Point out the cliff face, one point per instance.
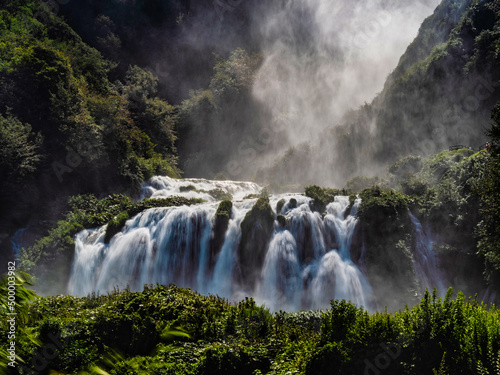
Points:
(440, 94)
(445, 85)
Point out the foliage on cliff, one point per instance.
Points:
(56, 250)
(168, 330)
(488, 229)
(65, 128)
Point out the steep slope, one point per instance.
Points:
(440, 94)
(65, 129)
(446, 97)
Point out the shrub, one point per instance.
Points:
(322, 196)
(115, 226)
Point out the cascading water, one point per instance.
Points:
(425, 262)
(307, 260)
(17, 242)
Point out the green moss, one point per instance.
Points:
(323, 196)
(222, 217)
(256, 230)
(220, 194)
(281, 220)
(224, 209)
(115, 226)
(184, 189)
(387, 236)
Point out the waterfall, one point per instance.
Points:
(306, 261)
(17, 242)
(425, 262)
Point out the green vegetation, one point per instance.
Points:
(168, 330)
(386, 230)
(214, 121)
(65, 128)
(256, 231)
(444, 191)
(55, 251)
(115, 226)
(74, 120)
(357, 184)
(323, 196)
(488, 229)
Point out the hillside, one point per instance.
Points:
(65, 127)
(440, 94)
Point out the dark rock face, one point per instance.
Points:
(256, 231)
(222, 217)
(387, 235)
(357, 246)
(279, 206)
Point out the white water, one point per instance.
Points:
(165, 245)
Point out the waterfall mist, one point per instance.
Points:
(323, 58)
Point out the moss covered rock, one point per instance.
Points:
(256, 230)
(222, 217)
(322, 196)
(115, 225)
(282, 220)
(387, 235)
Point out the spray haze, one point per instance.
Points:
(322, 58)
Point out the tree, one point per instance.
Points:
(19, 150)
(489, 228)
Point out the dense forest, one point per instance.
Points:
(98, 97)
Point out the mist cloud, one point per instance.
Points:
(323, 57)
